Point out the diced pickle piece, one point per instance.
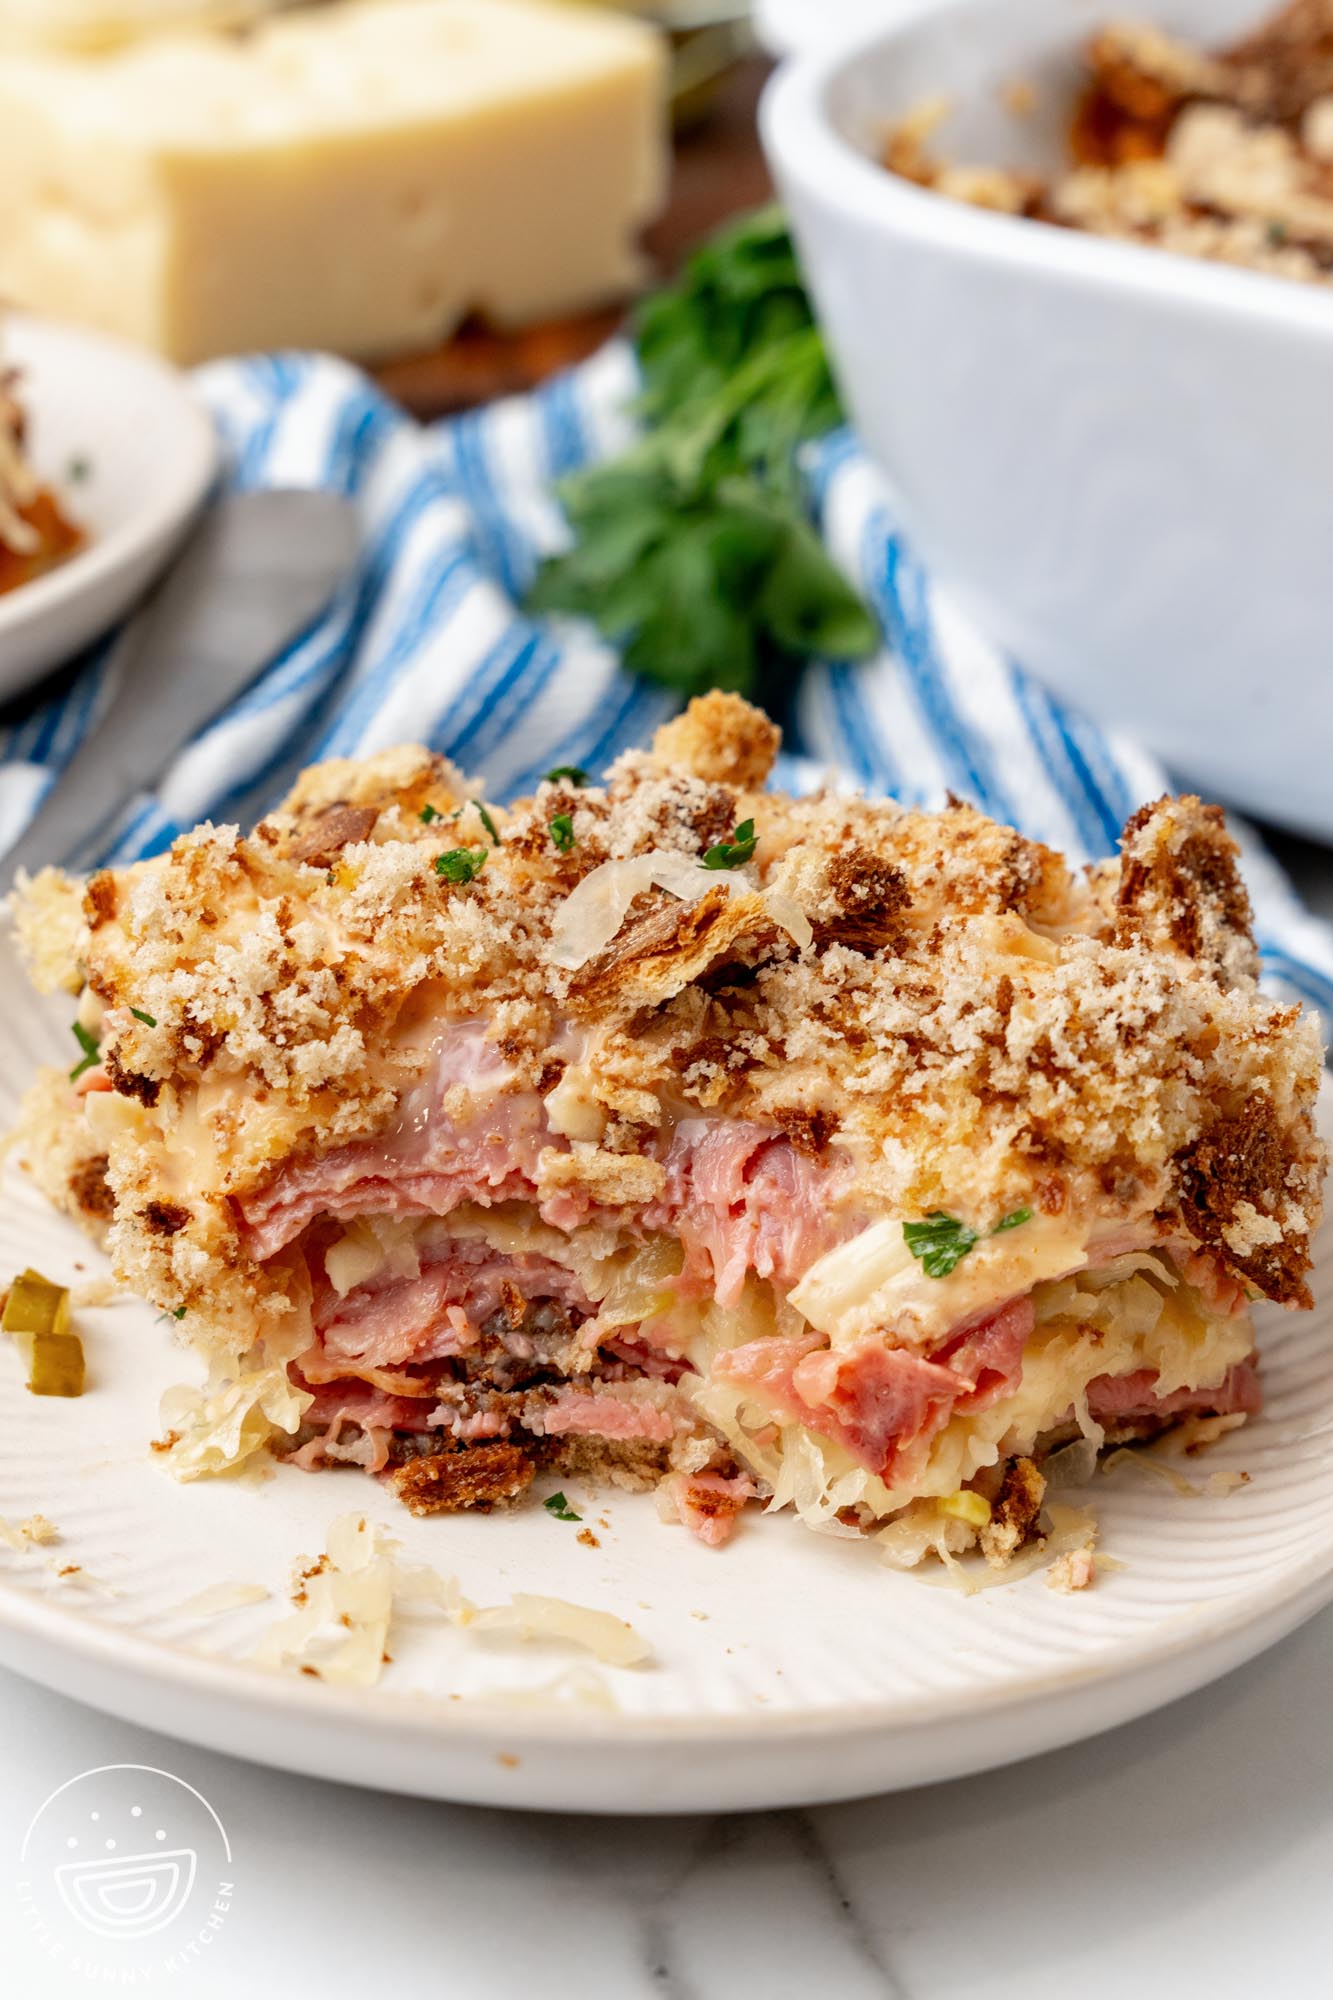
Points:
(55, 1364)
(36, 1316)
(35, 1306)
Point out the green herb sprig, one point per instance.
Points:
(561, 830)
(461, 864)
(560, 1508)
(733, 853)
(569, 774)
(92, 1052)
(941, 1241)
(692, 549)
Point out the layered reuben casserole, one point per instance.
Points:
(805, 1150)
(1226, 156)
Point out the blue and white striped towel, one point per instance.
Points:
(426, 642)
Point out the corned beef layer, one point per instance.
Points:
(460, 1380)
(490, 1366)
(738, 1196)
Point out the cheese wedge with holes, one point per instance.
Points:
(359, 177)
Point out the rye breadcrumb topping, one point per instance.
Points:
(967, 1018)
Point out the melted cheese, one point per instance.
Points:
(874, 1283)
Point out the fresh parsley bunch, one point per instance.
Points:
(691, 550)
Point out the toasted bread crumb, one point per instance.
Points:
(1014, 1512)
(477, 1476)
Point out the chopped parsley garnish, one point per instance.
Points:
(91, 1051)
(1277, 234)
(428, 813)
(560, 1507)
(733, 853)
(78, 470)
(149, 1020)
(571, 774)
(941, 1242)
(692, 549)
(562, 832)
(461, 864)
(487, 822)
(172, 1312)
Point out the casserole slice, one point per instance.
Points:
(677, 1132)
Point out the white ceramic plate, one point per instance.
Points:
(120, 438)
(788, 1667)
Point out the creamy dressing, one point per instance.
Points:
(573, 1108)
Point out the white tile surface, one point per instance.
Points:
(1186, 1855)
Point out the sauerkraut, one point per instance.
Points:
(346, 1601)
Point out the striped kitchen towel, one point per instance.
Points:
(426, 642)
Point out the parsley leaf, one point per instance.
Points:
(170, 1312)
(560, 1507)
(148, 1020)
(692, 549)
(940, 1243)
(92, 1053)
(487, 822)
(428, 813)
(562, 832)
(572, 774)
(461, 864)
(733, 853)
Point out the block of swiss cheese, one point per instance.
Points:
(86, 24)
(359, 177)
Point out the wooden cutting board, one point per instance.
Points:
(719, 171)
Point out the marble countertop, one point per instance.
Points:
(1185, 1855)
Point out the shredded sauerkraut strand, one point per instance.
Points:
(348, 1598)
(593, 912)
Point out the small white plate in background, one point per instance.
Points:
(130, 453)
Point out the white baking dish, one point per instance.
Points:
(1121, 459)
